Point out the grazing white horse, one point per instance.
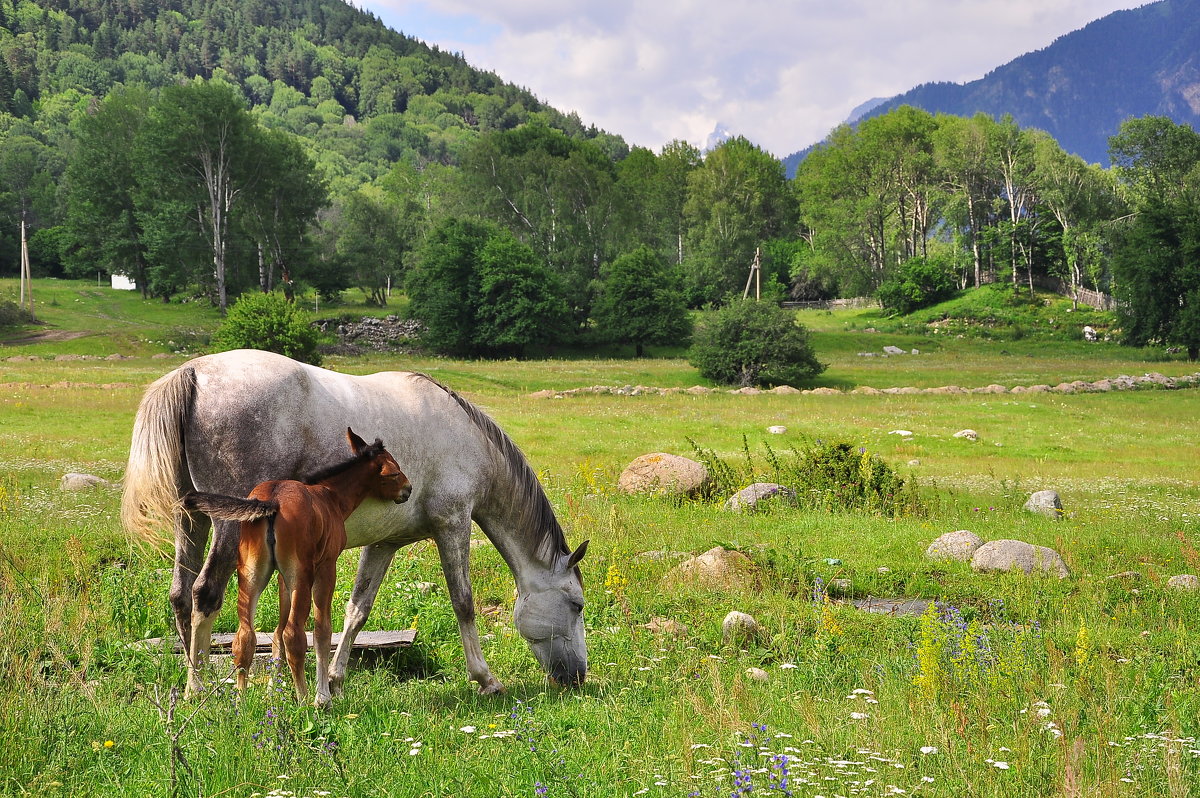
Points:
(224, 423)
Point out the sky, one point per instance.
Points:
(782, 73)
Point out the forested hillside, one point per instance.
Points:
(207, 150)
(1080, 88)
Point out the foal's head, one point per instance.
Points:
(390, 484)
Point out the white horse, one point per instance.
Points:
(224, 423)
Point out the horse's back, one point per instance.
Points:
(257, 416)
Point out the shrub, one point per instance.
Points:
(837, 477)
(918, 283)
(754, 343)
(11, 315)
(271, 323)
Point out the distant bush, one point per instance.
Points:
(11, 314)
(754, 344)
(271, 323)
(837, 477)
(918, 283)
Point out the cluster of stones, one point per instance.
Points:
(1122, 383)
(373, 333)
(33, 358)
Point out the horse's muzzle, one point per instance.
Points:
(404, 495)
(568, 675)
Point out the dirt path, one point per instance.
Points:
(44, 336)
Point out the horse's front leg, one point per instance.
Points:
(454, 549)
(372, 567)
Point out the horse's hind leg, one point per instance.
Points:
(191, 536)
(372, 567)
(208, 594)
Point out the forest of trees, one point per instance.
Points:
(224, 146)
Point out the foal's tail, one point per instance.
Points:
(154, 476)
(229, 508)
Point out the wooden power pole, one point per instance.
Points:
(755, 277)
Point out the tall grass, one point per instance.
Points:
(1007, 686)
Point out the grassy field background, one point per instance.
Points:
(1014, 686)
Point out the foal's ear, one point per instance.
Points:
(357, 444)
(577, 555)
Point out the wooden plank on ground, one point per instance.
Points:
(366, 640)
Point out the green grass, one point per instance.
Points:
(1116, 663)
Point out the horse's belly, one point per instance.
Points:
(375, 521)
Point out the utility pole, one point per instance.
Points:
(754, 277)
(26, 273)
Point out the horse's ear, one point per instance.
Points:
(357, 444)
(577, 555)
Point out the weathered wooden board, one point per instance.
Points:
(365, 640)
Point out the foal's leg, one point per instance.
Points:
(453, 542)
(322, 594)
(278, 655)
(372, 567)
(254, 571)
(295, 642)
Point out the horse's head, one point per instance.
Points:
(549, 615)
(391, 484)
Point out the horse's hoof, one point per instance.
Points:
(493, 687)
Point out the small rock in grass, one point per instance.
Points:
(83, 482)
(777, 429)
(666, 627)
(760, 493)
(960, 546)
(716, 568)
(1187, 582)
(1127, 576)
(739, 627)
(1047, 503)
(903, 433)
(757, 674)
(969, 434)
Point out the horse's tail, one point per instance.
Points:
(154, 475)
(229, 508)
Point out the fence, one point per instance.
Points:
(852, 303)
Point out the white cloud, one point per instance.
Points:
(780, 73)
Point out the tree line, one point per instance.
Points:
(306, 144)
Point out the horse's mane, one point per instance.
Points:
(374, 450)
(537, 515)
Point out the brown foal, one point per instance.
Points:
(299, 529)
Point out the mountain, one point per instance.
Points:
(719, 135)
(1083, 85)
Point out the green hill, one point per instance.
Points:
(361, 95)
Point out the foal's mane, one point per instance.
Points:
(374, 450)
(536, 514)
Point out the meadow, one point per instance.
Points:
(1010, 686)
